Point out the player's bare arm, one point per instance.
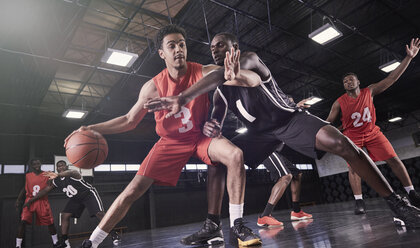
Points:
(40, 194)
(334, 112)
(128, 121)
(20, 198)
(213, 127)
(384, 84)
(68, 173)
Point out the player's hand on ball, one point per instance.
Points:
(212, 129)
(82, 128)
(51, 175)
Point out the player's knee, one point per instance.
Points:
(130, 195)
(287, 178)
(237, 156)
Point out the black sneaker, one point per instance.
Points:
(86, 243)
(359, 207)
(414, 198)
(242, 235)
(210, 234)
(404, 211)
(116, 239)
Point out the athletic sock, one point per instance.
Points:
(18, 242)
(215, 218)
(296, 207)
(358, 197)
(97, 236)
(54, 238)
(268, 209)
(235, 212)
(409, 188)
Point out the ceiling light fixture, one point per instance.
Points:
(118, 57)
(395, 119)
(390, 66)
(313, 99)
(325, 34)
(75, 114)
(241, 130)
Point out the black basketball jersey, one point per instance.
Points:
(73, 188)
(260, 108)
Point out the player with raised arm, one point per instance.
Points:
(358, 119)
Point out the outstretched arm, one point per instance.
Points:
(40, 194)
(213, 127)
(384, 84)
(128, 121)
(68, 173)
(334, 112)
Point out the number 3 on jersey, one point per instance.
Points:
(188, 125)
(365, 118)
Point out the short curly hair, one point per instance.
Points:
(229, 36)
(349, 74)
(169, 29)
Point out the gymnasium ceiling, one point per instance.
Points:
(50, 53)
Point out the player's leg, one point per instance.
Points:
(295, 185)
(279, 172)
(65, 226)
(20, 233)
(356, 187)
(44, 217)
(119, 208)
(223, 151)
(331, 140)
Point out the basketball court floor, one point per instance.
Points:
(333, 225)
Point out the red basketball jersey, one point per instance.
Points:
(192, 116)
(358, 114)
(35, 183)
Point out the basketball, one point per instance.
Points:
(86, 149)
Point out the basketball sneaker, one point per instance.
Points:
(414, 198)
(404, 211)
(242, 235)
(63, 243)
(268, 221)
(86, 243)
(210, 234)
(116, 239)
(300, 215)
(359, 207)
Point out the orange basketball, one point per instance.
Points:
(86, 149)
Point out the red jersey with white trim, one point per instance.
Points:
(358, 115)
(192, 116)
(34, 184)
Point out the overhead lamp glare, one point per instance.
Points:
(75, 114)
(325, 34)
(118, 57)
(390, 66)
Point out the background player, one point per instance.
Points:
(181, 138)
(81, 195)
(358, 119)
(35, 182)
(271, 118)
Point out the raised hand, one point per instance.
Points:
(212, 129)
(232, 64)
(51, 175)
(82, 128)
(170, 103)
(413, 49)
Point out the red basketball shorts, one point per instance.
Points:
(377, 145)
(42, 210)
(166, 159)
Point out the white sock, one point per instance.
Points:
(358, 197)
(97, 237)
(235, 211)
(18, 242)
(54, 238)
(408, 188)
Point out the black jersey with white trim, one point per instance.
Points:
(260, 108)
(73, 188)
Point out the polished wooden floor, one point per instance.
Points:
(333, 225)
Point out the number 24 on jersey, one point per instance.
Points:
(360, 119)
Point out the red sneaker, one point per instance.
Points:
(268, 221)
(300, 216)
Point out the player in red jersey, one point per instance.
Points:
(181, 137)
(358, 121)
(35, 182)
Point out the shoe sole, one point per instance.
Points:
(269, 226)
(251, 242)
(212, 241)
(300, 218)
